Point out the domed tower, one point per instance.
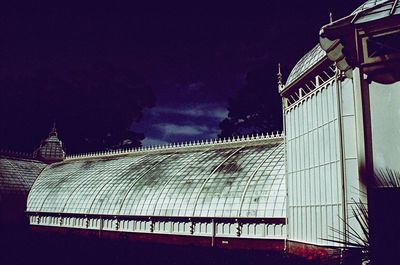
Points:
(50, 150)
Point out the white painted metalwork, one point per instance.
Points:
(202, 181)
(210, 228)
(322, 153)
(180, 146)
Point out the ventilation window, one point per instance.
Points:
(383, 45)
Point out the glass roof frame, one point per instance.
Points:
(216, 181)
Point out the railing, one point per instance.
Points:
(183, 145)
(247, 227)
(14, 154)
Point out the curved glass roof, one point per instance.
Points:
(18, 175)
(368, 4)
(229, 180)
(305, 63)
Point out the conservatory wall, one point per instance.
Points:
(322, 159)
(313, 166)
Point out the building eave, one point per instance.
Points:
(341, 39)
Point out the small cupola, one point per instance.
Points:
(50, 149)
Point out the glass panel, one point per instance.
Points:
(385, 117)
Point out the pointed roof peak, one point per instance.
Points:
(53, 131)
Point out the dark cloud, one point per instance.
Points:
(180, 123)
(209, 111)
(195, 56)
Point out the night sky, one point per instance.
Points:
(193, 56)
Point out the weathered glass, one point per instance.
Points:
(305, 63)
(227, 180)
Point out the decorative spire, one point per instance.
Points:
(330, 17)
(54, 130)
(280, 84)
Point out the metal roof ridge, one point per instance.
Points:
(217, 142)
(15, 154)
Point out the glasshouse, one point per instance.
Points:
(294, 191)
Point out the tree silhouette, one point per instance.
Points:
(256, 107)
(93, 107)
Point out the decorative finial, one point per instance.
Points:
(280, 85)
(54, 130)
(330, 17)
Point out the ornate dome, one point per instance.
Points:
(50, 149)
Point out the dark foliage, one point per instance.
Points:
(256, 107)
(386, 177)
(93, 108)
(377, 236)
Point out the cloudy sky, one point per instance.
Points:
(194, 56)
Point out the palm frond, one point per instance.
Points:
(387, 178)
(353, 238)
(360, 212)
(360, 238)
